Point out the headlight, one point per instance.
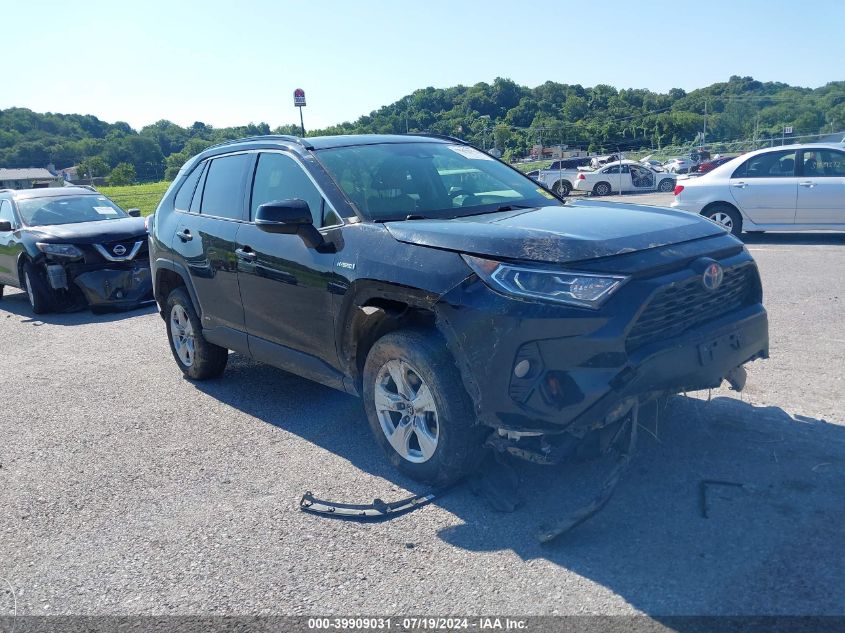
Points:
(586, 290)
(60, 250)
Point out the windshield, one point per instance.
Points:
(394, 181)
(68, 210)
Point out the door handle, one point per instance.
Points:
(246, 254)
(739, 185)
(808, 183)
(185, 235)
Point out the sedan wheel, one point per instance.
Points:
(666, 185)
(406, 411)
(727, 217)
(601, 189)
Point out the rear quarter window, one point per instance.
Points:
(186, 191)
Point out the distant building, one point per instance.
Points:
(540, 152)
(29, 178)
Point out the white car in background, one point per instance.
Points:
(790, 188)
(623, 176)
(678, 165)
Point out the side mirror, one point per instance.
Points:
(5, 226)
(292, 217)
(135, 213)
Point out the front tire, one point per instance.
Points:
(726, 216)
(602, 189)
(418, 409)
(36, 289)
(197, 358)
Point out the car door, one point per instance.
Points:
(618, 176)
(642, 178)
(10, 246)
(205, 240)
(765, 187)
(821, 187)
(285, 285)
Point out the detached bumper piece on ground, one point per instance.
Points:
(381, 510)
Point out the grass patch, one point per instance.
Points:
(537, 164)
(145, 197)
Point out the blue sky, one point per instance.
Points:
(228, 63)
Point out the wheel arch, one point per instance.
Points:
(371, 310)
(719, 203)
(168, 277)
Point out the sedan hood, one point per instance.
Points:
(99, 232)
(579, 231)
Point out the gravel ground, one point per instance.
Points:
(127, 490)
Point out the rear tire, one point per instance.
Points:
(197, 358)
(666, 185)
(726, 216)
(423, 419)
(562, 188)
(36, 288)
(602, 189)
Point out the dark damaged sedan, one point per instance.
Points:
(462, 301)
(69, 247)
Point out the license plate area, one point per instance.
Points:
(719, 348)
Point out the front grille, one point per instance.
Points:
(107, 250)
(682, 306)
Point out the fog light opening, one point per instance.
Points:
(522, 368)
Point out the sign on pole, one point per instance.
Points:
(787, 129)
(299, 101)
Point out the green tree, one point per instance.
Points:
(122, 174)
(93, 167)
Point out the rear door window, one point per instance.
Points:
(823, 163)
(768, 165)
(223, 194)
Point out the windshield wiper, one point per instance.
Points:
(415, 216)
(514, 207)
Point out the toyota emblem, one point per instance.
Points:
(120, 250)
(712, 277)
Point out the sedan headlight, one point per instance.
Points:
(586, 290)
(68, 251)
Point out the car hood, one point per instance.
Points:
(89, 232)
(579, 231)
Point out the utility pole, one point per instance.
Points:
(704, 134)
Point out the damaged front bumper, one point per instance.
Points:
(536, 368)
(113, 285)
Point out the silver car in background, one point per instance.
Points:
(789, 188)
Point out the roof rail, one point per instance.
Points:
(267, 137)
(445, 137)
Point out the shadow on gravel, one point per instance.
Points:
(18, 305)
(797, 239)
(773, 544)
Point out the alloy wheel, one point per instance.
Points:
(182, 335)
(29, 292)
(406, 411)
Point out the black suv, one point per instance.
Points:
(456, 296)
